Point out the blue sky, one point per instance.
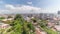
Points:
(46, 5)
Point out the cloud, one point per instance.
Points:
(22, 9)
(8, 6)
(29, 3)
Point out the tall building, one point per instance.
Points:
(58, 12)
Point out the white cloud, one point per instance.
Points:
(9, 6)
(24, 9)
(29, 2)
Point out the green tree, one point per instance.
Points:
(44, 27)
(9, 16)
(20, 26)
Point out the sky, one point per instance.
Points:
(29, 6)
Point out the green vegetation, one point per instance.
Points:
(43, 26)
(8, 22)
(9, 17)
(20, 26)
(2, 18)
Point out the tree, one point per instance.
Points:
(2, 18)
(44, 27)
(20, 26)
(9, 17)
